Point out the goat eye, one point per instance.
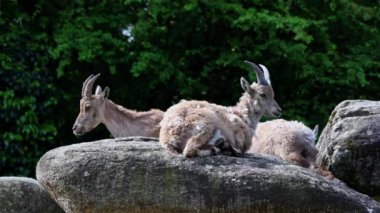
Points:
(263, 95)
(87, 107)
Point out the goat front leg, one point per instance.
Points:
(196, 142)
(237, 144)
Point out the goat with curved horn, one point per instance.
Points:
(88, 84)
(97, 109)
(259, 73)
(199, 128)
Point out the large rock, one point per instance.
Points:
(25, 195)
(131, 175)
(350, 145)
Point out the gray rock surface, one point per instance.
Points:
(133, 175)
(25, 195)
(349, 145)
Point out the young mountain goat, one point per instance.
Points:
(199, 128)
(120, 122)
(290, 140)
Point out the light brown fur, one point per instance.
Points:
(199, 128)
(289, 140)
(120, 122)
(194, 121)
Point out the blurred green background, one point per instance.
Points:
(154, 53)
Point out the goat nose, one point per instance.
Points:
(75, 127)
(278, 112)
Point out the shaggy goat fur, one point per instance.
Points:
(290, 140)
(199, 128)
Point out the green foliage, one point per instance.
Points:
(154, 53)
(28, 95)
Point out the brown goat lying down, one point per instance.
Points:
(289, 140)
(199, 128)
(120, 122)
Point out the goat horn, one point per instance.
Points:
(259, 73)
(88, 84)
(85, 83)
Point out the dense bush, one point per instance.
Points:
(154, 53)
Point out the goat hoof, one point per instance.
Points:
(215, 150)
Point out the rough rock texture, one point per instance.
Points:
(19, 195)
(132, 175)
(349, 146)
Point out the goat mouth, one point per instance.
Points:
(78, 134)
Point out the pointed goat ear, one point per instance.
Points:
(106, 92)
(246, 86)
(98, 90)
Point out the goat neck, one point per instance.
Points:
(118, 120)
(249, 112)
